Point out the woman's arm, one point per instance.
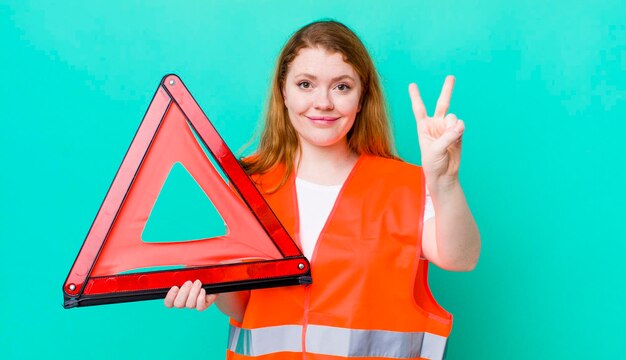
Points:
(192, 295)
(451, 240)
(233, 304)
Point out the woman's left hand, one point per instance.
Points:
(439, 136)
(451, 240)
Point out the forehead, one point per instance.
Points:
(320, 63)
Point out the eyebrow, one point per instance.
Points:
(341, 77)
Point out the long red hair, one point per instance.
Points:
(370, 134)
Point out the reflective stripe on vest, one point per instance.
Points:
(328, 340)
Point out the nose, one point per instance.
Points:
(323, 100)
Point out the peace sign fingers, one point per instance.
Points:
(439, 135)
(443, 103)
(419, 110)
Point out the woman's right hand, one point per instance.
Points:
(190, 295)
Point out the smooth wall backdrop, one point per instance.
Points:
(540, 84)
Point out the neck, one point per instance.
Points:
(327, 165)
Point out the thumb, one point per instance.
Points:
(210, 299)
(450, 136)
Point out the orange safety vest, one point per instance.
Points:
(369, 298)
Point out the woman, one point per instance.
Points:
(326, 167)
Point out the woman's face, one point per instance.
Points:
(322, 95)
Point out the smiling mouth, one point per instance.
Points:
(322, 118)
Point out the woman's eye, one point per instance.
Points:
(304, 85)
(343, 87)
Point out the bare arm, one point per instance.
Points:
(451, 240)
(233, 304)
(192, 295)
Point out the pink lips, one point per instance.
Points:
(322, 118)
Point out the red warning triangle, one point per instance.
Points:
(112, 265)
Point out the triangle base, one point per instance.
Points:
(160, 294)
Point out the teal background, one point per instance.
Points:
(541, 86)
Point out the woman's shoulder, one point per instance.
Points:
(390, 165)
(392, 172)
(394, 175)
(266, 178)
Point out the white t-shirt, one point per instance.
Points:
(315, 202)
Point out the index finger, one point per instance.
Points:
(419, 110)
(443, 103)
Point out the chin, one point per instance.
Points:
(325, 142)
